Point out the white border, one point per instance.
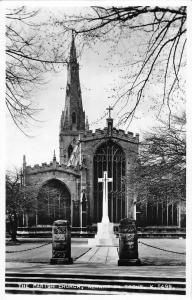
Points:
(49, 3)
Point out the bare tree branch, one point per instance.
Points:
(164, 28)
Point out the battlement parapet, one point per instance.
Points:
(117, 133)
(130, 133)
(44, 167)
(120, 132)
(98, 131)
(88, 133)
(37, 166)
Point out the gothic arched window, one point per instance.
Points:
(54, 202)
(74, 118)
(110, 157)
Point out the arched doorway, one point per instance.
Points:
(110, 157)
(54, 202)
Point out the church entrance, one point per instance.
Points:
(54, 202)
(111, 158)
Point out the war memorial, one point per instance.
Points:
(86, 235)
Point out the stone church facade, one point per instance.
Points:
(69, 188)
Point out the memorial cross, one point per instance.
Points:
(105, 180)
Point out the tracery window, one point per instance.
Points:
(110, 157)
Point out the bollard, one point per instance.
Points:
(61, 243)
(128, 243)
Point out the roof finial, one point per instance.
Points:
(73, 36)
(87, 124)
(24, 160)
(54, 156)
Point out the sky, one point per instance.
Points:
(97, 76)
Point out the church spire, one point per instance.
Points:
(73, 55)
(73, 116)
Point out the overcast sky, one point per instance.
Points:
(97, 78)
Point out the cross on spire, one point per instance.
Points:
(109, 109)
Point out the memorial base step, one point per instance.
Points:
(103, 242)
(105, 236)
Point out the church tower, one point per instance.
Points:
(73, 116)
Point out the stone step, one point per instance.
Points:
(90, 284)
(95, 276)
(50, 291)
(101, 281)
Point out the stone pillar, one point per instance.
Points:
(61, 243)
(83, 209)
(27, 220)
(76, 213)
(183, 214)
(128, 243)
(134, 211)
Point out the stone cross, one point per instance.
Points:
(109, 109)
(105, 180)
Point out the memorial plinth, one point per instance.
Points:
(128, 243)
(61, 244)
(105, 236)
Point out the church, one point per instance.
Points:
(70, 188)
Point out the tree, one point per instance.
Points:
(12, 203)
(30, 54)
(161, 172)
(160, 60)
(20, 200)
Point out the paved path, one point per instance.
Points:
(100, 255)
(101, 260)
